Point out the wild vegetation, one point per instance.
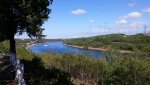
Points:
(135, 43)
(68, 69)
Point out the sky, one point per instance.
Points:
(84, 18)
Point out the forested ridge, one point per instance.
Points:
(69, 69)
(136, 43)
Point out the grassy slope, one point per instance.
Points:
(137, 42)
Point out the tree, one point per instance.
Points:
(18, 16)
(39, 35)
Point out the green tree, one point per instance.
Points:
(18, 16)
(39, 35)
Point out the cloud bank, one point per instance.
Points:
(79, 11)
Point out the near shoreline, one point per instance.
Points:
(28, 45)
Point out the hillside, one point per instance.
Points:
(138, 42)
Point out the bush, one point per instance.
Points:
(4, 47)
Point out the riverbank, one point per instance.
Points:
(98, 49)
(90, 48)
(28, 45)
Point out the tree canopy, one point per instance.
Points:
(18, 16)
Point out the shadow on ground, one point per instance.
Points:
(7, 71)
(36, 74)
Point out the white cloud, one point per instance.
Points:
(131, 4)
(134, 15)
(128, 30)
(91, 32)
(99, 30)
(79, 11)
(91, 21)
(136, 24)
(146, 10)
(121, 21)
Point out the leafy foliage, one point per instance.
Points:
(18, 16)
(23, 15)
(121, 70)
(4, 47)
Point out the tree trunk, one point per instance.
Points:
(12, 44)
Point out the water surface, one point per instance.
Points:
(60, 48)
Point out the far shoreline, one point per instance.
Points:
(97, 49)
(89, 48)
(32, 43)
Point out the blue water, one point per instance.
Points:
(60, 48)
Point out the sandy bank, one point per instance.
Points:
(99, 49)
(90, 48)
(28, 45)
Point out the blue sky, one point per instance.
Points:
(83, 18)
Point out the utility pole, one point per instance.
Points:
(144, 29)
